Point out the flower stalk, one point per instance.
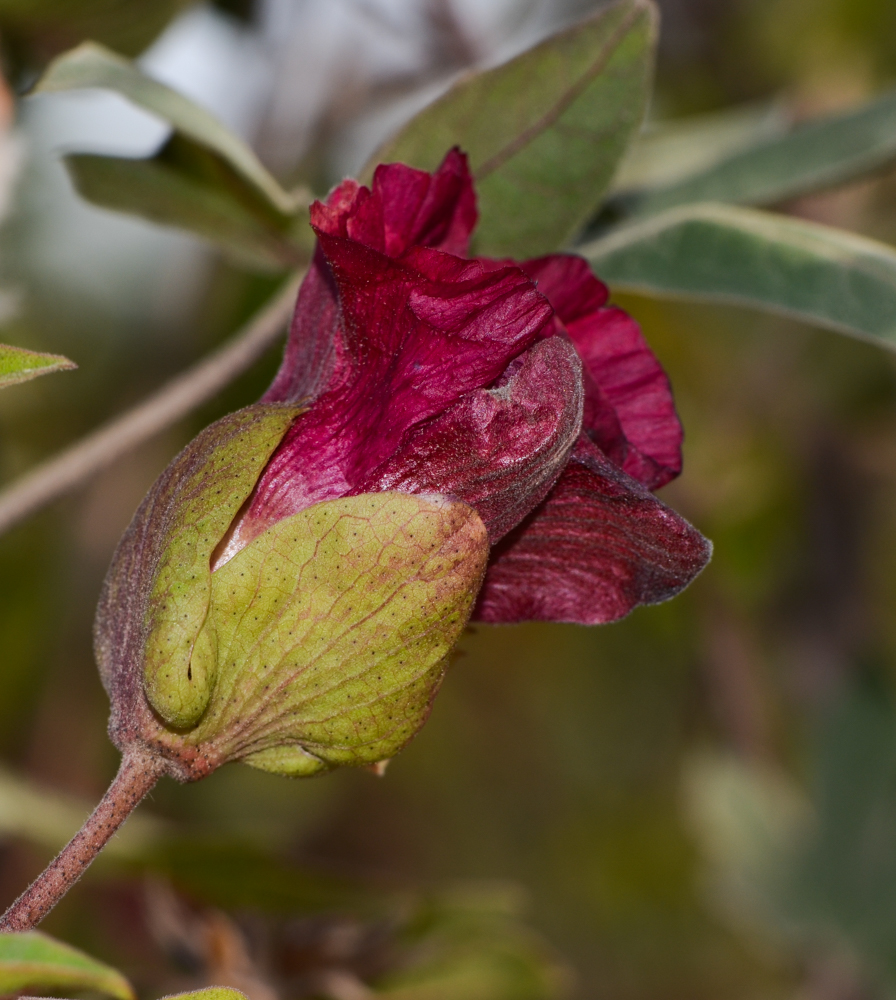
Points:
(137, 775)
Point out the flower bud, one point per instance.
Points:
(290, 588)
(321, 642)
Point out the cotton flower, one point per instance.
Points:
(447, 437)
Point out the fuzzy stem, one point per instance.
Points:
(137, 775)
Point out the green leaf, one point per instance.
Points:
(92, 65)
(210, 993)
(168, 192)
(32, 960)
(719, 253)
(819, 154)
(666, 152)
(18, 365)
(204, 179)
(545, 131)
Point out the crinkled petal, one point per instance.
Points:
(404, 208)
(597, 547)
(418, 335)
(629, 410)
(632, 380)
(569, 284)
(500, 450)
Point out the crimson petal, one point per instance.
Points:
(404, 208)
(629, 410)
(499, 449)
(312, 348)
(416, 336)
(597, 547)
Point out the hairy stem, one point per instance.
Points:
(176, 399)
(137, 775)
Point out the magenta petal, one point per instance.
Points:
(312, 348)
(416, 336)
(569, 284)
(629, 410)
(404, 208)
(597, 547)
(501, 449)
(426, 330)
(431, 210)
(631, 379)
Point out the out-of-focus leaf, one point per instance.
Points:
(819, 154)
(818, 869)
(464, 943)
(845, 883)
(224, 873)
(165, 190)
(18, 365)
(210, 993)
(32, 960)
(92, 65)
(242, 876)
(749, 821)
(720, 253)
(204, 179)
(545, 131)
(50, 819)
(44, 27)
(669, 151)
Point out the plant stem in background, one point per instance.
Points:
(137, 775)
(173, 401)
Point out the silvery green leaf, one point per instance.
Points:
(721, 253)
(545, 131)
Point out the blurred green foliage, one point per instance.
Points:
(35, 30)
(34, 960)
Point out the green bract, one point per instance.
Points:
(320, 643)
(202, 500)
(327, 635)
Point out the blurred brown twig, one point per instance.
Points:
(184, 393)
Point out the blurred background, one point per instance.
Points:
(697, 802)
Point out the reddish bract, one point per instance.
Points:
(512, 387)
